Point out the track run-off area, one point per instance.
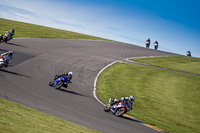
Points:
(36, 61)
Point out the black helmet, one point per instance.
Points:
(11, 53)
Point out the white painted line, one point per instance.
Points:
(95, 81)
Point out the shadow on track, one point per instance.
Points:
(1, 70)
(3, 50)
(15, 44)
(72, 92)
(132, 119)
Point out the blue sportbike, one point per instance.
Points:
(118, 109)
(59, 82)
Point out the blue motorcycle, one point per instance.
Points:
(118, 109)
(59, 82)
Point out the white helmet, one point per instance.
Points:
(131, 98)
(70, 73)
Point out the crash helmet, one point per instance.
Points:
(70, 73)
(131, 98)
(13, 30)
(11, 53)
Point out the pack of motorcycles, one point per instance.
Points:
(117, 109)
(6, 57)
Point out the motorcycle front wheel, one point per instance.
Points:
(51, 83)
(58, 85)
(5, 40)
(107, 108)
(120, 111)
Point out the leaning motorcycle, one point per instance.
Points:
(117, 109)
(6, 37)
(1, 61)
(59, 82)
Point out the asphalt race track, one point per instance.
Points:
(36, 61)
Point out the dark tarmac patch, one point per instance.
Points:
(18, 57)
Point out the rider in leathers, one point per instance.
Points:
(7, 57)
(127, 100)
(68, 75)
(9, 34)
(156, 45)
(148, 41)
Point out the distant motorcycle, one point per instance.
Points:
(117, 109)
(6, 37)
(147, 44)
(59, 82)
(189, 53)
(5, 59)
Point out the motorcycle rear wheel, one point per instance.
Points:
(120, 112)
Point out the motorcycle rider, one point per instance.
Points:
(156, 44)
(7, 57)
(127, 100)
(9, 34)
(148, 41)
(68, 75)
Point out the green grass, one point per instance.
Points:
(19, 119)
(166, 99)
(180, 63)
(36, 31)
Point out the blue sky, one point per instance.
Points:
(175, 24)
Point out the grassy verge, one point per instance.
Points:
(166, 99)
(36, 31)
(180, 63)
(18, 119)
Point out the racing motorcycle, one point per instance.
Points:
(117, 109)
(5, 59)
(1, 62)
(147, 44)
(59, 82)
(6, 37)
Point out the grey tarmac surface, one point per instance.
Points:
(36, 61)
